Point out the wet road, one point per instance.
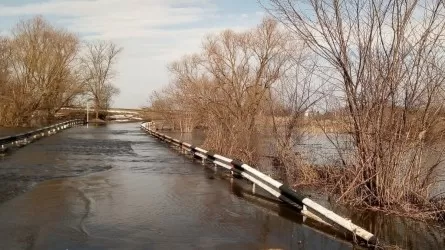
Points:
(116, 188)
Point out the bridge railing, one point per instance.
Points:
(281, 191)
(24, 138)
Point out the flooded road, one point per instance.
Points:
(394, 232)
(114, 187)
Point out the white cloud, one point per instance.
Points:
(152, 32)
(116, 18)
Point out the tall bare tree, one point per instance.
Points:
(297, 92)
(5, 99)
(4, 55)
(388, 62)
(98, 65)
(41, 59)
(229, 82)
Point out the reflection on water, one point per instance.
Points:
(408, 233)
(320, 150)
(392, 230)
(116, 188)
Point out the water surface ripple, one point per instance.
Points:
(114, 187)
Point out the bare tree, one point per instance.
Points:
(41, 71)
(389, 66)
(40, 66)
(109, 92)
(4, 55)
(5, 99)
(297, 92)
(228, 85)
(97, 64)
(244, 68)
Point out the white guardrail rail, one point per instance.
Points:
(30, 136)
(281, 191)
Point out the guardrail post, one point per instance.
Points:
(304, 210)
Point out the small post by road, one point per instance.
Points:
(88, 112)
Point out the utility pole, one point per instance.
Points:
(88, 112)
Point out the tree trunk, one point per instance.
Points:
(97, 109)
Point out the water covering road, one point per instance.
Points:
(114, 187)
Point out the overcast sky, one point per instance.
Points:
(152, 32)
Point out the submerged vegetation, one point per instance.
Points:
(44, 68)
(370, 69)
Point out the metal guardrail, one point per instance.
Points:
(27, 137)
(281, 191)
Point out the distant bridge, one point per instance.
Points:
(117, 114)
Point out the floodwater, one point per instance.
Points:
(393, 231)
(12, 131)
(114, 187)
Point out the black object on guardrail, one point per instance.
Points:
(27, 137)
(281, 191)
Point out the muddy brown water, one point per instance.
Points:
(114, 187)
(393, 231)
(12, 131)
